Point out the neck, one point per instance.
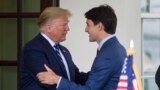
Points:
(102, 37)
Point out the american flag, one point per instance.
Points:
(127, 79)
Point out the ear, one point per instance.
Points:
(100, 26)
(49, 27)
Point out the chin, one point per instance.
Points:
(63, 39)
(91, 39)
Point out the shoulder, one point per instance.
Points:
(36, 43)
(64, 48)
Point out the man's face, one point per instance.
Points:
(58, 29)
(91, 29)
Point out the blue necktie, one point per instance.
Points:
(56, 48)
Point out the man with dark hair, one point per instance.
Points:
(106, 69)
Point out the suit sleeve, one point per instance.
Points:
(157, 77)
(80, 77)
(99, 75)
(34, 61)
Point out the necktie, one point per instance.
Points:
(57, 49)
(97, 51)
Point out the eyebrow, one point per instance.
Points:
(87, 23)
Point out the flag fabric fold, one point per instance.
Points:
(128, 79)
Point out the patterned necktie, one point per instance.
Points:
(56, 48)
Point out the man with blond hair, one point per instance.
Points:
(45, 48)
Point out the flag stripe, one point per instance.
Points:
(127, 80)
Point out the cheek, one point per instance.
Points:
(86, 29)
(90, 30)
(61, 34)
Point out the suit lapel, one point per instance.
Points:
(52, 54)
(69, 62)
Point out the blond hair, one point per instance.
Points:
(51, 13)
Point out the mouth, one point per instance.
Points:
(65, 34)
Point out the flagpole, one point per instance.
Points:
(139, 83)
(131, 52)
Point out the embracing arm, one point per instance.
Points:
(97, 80)
(33, 63)
(48, 77)
(80, 77)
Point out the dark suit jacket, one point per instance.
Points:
(38, 52)
(157, 77)
(105, 71)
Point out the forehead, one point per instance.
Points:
(89, 22)
(61, 20)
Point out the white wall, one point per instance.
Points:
(83, 52)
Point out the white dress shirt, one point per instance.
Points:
(52, 43)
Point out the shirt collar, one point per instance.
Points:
(104, 40)
(51, 42)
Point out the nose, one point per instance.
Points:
(67, 28)
(86, 30)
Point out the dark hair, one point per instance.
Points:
(104, 14)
